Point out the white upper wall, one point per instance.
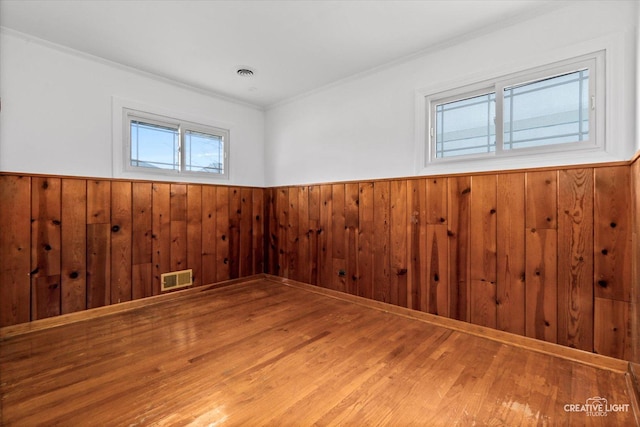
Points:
(364, 127)
(56, 113)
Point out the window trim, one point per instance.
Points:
(129, 114)
(427, 100)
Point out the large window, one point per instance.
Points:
(168, 146)
(552, 108)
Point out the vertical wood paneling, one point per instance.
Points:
(142, 222)
(257, 226)
(282, 203)
(398, 247)
(510, 284)
(483, 222)
(15, 256)
(325, 250)
(222, 234)
(575, 260)
(99, 265)
(98, 202)
(45, 247)
(458, 210)
(542, 199)
(612, 328)
(271, 227)
(437, 270)
(293, 235)
(338, 238)
(45, 297)
(121, 244)
(45, 226)
(437, 200)
(314, 227)
(381, 207)
(73, 281)
(417, 244)
(208, 234)
(235, 213)
(304, 239)
(351, 194)
(178, 202)
(246, 232)
(612, 233)
(161, 233)
(142, 283)
(541, 284)
(365, 240)
(194, 232)
(93, 242)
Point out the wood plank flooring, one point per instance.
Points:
(270, 353)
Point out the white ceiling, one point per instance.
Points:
(294, 46)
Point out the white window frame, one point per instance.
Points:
(182, 126)
(595, 62)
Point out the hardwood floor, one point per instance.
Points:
(265, 352)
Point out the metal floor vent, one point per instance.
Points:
(176, 279)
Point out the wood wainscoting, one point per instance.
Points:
(270, 351)
(542, 253)
(70, 244)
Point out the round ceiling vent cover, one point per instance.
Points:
(244, 72)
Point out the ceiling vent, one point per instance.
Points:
(244, 72)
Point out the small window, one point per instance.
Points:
(551, 108)
(165, 145)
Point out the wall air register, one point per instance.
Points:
(176, 279)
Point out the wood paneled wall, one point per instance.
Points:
(635, 263)
(542, 253)
(69, 244)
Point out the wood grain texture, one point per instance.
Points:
(542, 284)
(15, 253)
(612, 233)
(635, 260)
(612, 328)
(437, 270)
(352, 212)
(208, 234)
(245, 222)
(459, 207)
(437, 195)
(398, 243)
(293, 235)
(98, 202)
(258, 231)
(314, 231)
(304, 236)
(161, 232)
(121, 241)
(541, 193)
(339, 271)
(142, 250)
(45, 297)
(178, 248)
(365, 241)
(360, 365)
(510, 283)
(99, 265)
(194, 233)
(325, 239)
(223, 228)
(417, 243)
(381, 217)
(73, 249)
(45, 227)
(235, 213)
(575, 260)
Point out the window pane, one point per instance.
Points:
(466, 126)
(549, 111)
(153, 146)
(204, 152)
